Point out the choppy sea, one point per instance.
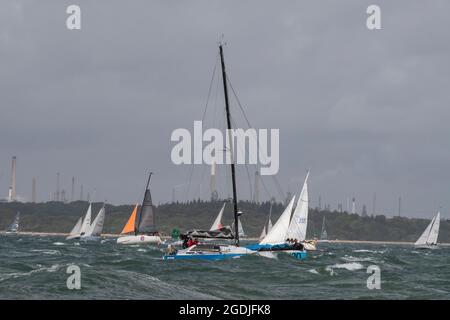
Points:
(35, 267)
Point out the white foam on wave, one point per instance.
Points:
(314, 271)
(59, 244)
(7, 276)
(141, 250)
(350, 266)
(356, 259)
(49, 252)
(369, 251)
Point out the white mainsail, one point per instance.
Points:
(269, 225)
(299, 221)
(86, 226)
(263, 234)
(218, 222)
(240, 228)
(430, 235)
(434, 233)
(77, 228)
(96, 227)
(278, 232)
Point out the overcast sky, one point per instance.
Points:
(367, 111)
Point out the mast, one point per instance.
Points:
(142, 206)
(233, 171)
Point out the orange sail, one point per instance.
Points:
(129, 227)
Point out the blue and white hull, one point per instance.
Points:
(279, 247)
(208, 252)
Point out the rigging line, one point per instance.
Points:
(279, 189)
(191, 171)
(210, 86)
(246, 166)
(265, 188)
(239, 103)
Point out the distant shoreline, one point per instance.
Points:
(111, 235)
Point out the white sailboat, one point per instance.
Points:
(81, 226)
(428, 239)
(323, 234)
(95, 229)
(218, 222)
(140, 227)
(277, 234)
(14, 227)
(299, 222)
(267, 226)
(84, 229)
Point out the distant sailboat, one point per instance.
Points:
(84, 230)
(323, 234)
(141, 224)
(428, 239)
(218, 222)
(14, 227)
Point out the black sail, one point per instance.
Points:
(145, 222)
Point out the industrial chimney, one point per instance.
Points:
(12, 190)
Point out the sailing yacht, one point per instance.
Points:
(14, 227)
(84, 230)
(289, 226)
(207, 251)
(217, 224)
(140, 227)
(428, 239)
(323, 234)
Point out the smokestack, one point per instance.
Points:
(72, 193)
(81, 192)
(214, 193)
(33, 190)
(399, 206)
(353, 205)
(12, 195)
(57, 186)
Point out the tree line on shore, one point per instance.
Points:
(61, 217)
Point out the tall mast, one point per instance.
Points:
(233, 171)
(136, 225)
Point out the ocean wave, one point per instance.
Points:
(357, 259)
(350, 266)
(59, 244)
(49, 252)
(7, 276)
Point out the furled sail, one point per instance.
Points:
(278, 232)
(146, 217)
(218, 222)
(299, 221)
(131, 223)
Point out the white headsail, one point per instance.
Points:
(77, 228)
(96, 227)
(218, 222)
(241, 229)
(278, 232)
(263, 234)
(299, 221)
(86, 226)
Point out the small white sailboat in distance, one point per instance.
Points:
(141, 224)
(428, 239)
(14, 227)
(218, 222)
(85, 230)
